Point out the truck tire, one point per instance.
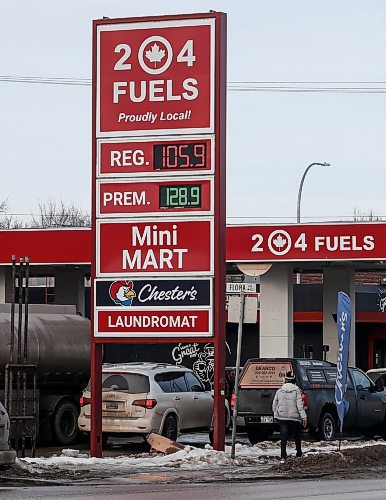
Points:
(327, 427)
(256, 435)
(382, 430)
(169, 428)
(65, 422)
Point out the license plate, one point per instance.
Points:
(266, 420)
(112, 406)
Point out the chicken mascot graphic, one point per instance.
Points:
(122, 293)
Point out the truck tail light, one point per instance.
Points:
(305, 399)
(84, 401)
(149, 404)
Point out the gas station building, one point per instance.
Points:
(299, 270)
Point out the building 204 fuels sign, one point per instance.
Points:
(306, 242)
(155, 77)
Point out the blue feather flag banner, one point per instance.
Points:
(344, 329)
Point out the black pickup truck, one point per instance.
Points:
(261, 377)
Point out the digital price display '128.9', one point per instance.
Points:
(190, 155)
(180, 196)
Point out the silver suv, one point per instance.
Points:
(140, 398)
(7, 454)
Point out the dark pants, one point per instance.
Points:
(288, 428)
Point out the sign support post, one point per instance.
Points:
(220, 238)
(237, 376)
(96, 391)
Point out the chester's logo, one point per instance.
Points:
(122, 293)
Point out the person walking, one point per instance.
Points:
(230, 378)
(288, 410)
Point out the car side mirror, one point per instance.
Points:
(197, 388)
(379, 385)
(360, 387)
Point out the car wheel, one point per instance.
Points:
(65, 422)
(255, 435)
(327, 427)
(382, 430)
(169, 428)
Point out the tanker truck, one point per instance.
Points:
(59, 344)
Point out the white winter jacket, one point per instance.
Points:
(288, 403)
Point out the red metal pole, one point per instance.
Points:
(219, 236)
(96, 400)
(96, 349)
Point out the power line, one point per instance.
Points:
(241, 217)
(45, 81)
(293, 87)
(357, 87)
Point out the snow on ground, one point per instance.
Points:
(190, 457)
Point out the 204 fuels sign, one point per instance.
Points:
(155, 77)
(306, 242)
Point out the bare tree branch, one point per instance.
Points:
(3, 206)
(57, 214)
(10, 222)
(360, 216)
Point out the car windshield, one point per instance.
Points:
(376, 375)
(132, 383)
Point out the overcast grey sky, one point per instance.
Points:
(45, 148)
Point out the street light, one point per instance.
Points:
(324, 164)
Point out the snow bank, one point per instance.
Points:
(190, 456)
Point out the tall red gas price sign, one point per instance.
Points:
(159, 93)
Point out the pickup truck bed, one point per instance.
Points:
(261, 378)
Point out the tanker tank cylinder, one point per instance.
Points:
(58, 342)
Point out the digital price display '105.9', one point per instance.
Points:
(180, 156)
(180, 196)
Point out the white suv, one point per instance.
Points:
(140, 398)
(7, 454)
